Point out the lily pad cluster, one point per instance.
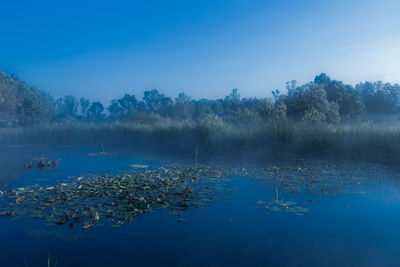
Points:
(118, 199)
(319, 177)
(114, 198)
(277, 205)
(283, 206)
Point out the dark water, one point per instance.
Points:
(355, 227)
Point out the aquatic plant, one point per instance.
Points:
(117, 198)
(285, 206)
(282, 139)
(48, 261)
(277, 205)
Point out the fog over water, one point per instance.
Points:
(200, 133)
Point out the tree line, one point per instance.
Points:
(321, 101)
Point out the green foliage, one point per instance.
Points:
(312, 115)
(95, 111)
(115, 109)
(156, 101)
(280, 111)
(280, 139)
(21, 104)
(128, 104)
(323, 101)
(349, 101)
(67, 106)
(84, 104)
(332, 114)
(309, 103)
(380, 98)
(183, 108)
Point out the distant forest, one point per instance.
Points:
(323, 101)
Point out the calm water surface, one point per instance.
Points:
(358, 226)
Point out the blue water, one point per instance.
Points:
(359, 227)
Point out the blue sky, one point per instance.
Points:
(102, 49)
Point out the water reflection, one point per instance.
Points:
(312, 213)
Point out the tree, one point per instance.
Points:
(128, 104)
(183, 107)
(156, 101)
(380, 98)
(115, 109)
(234, 96)
(232, 104)
(35, 106)
(95, 111)
(290, 86)
(84, 103)
(217, 107)
(348, 99)
(21, 104)
(67, 106)
(309, 103)
(266, 108)
(276, 95)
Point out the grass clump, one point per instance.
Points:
(279, 139)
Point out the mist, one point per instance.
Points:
(208, 133)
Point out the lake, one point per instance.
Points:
(295, 213)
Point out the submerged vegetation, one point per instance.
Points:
(324, 118)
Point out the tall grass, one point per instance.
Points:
(277, 139)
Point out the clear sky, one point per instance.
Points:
(102, 49)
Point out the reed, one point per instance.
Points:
(277, 139)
